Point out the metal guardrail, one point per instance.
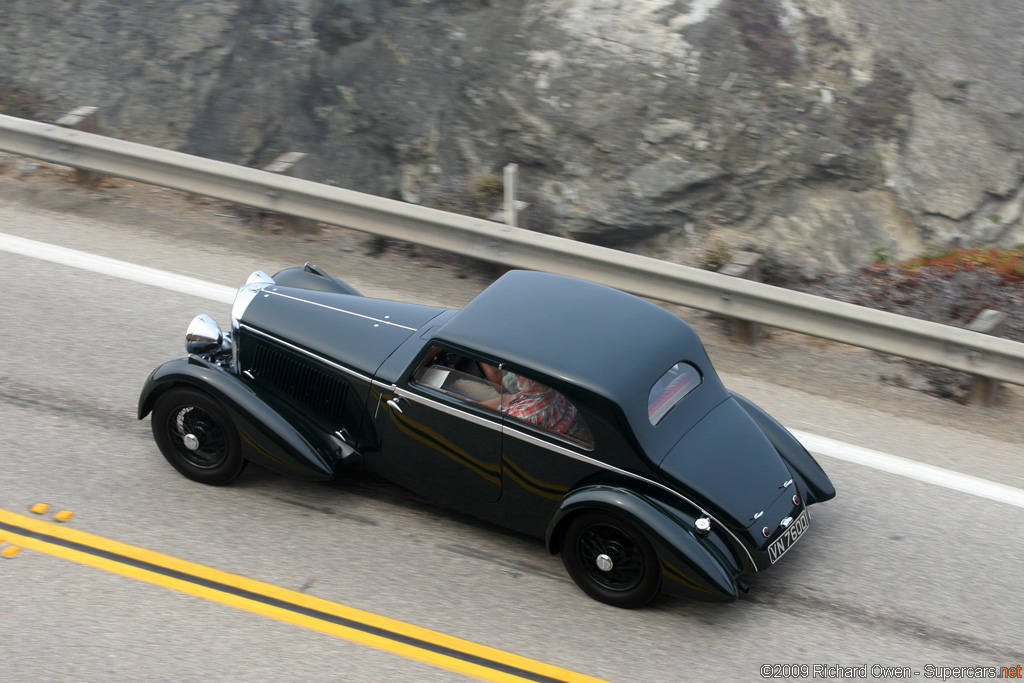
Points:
(933, 343)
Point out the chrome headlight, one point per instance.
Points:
(203, 335)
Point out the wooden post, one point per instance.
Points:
(87, 120)
(986, 389)
(295, 165)
(745, 265)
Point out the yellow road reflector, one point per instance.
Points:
(64, 515)
(40, 508)
(300, 609)
(10, 550)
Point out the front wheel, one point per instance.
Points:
(196, 436)
(610, 560)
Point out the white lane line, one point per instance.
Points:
(115, 268)
(820, 445)
(904, 467)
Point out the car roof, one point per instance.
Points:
(601, 339)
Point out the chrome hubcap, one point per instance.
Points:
(191, 441)
(604, 563)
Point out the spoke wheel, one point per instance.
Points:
(610, 560)
(196, 436)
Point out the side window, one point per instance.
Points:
(458, 376)
(517, 396)
(678, 381)
(538, 404)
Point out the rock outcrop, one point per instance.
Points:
(827, 130)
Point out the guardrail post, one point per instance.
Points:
(295, 165)
(513, 211)
(745, 265)
(986, 389)
(511, 177)
(87, 120)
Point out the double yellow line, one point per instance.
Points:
(293, 607)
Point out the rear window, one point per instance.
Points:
(681, 379)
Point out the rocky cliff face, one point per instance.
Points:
(827, 130)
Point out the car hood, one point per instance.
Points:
(356, 331)
(728, 465)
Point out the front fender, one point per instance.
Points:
(268, 438)
(819, 486)
(689, 568)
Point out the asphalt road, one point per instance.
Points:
(893, 572)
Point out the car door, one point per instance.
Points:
(438, 440)
(546, 449)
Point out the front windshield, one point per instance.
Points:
(681, 379)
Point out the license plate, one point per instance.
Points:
(784, 542)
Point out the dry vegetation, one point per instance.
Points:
(950, 287)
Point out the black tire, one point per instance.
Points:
(214, 453)
(634, 576)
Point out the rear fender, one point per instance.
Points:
(268, 438)
(689, 567)
(819, 486)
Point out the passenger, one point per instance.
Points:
(539, 404)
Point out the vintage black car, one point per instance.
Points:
(553, 406)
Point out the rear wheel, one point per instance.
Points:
(196, 436)
(610, 559)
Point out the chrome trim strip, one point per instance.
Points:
(531, 439)
(561, 450)
(299, 349)
(449, 410)
(380, 321)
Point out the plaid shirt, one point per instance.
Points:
(547, 409)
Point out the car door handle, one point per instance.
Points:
(393, 402)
